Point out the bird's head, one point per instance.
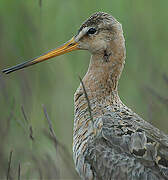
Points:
(98, 34)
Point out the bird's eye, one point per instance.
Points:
(91, 31)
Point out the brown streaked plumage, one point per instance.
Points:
(111, 142)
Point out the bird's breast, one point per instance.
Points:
(84, 125)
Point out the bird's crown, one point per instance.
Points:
(98, 18)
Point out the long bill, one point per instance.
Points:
(71, 45)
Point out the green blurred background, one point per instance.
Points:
(30, 28)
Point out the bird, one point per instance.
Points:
(110, 141)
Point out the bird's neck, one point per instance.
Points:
(101, 83)
(105, 68)
(101, 79)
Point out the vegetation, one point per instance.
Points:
(36, 104)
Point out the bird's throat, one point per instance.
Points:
(100, 82)
(101, 79)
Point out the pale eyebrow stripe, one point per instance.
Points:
(81, 33)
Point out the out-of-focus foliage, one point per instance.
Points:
(27, 30)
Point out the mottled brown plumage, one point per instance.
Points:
(118, 144)
(110, 141)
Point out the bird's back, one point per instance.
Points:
(118, 144)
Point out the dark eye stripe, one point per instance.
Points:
(91, 31)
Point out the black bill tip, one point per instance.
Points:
(17, 67)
